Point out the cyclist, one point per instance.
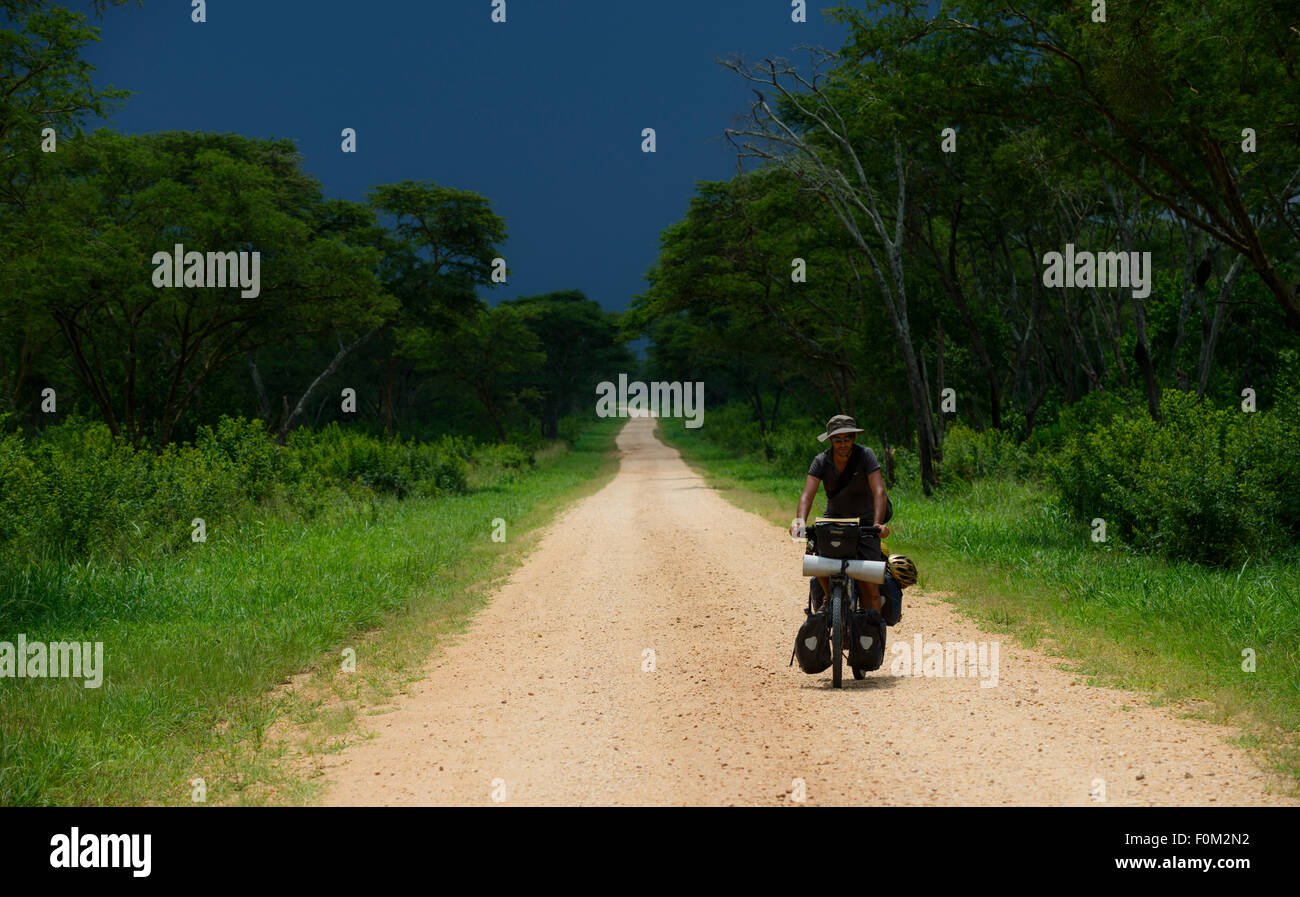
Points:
(855, 488)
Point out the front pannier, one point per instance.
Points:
(812, 646)
(837, 540)
(867, 640)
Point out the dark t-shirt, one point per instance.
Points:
(856, 499)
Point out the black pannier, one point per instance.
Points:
(837, 540)
(891, 606)
(813, 645)
(867, 640)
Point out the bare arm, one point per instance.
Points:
(810, 487)
(877, 484)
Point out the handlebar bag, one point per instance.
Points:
(837, 540)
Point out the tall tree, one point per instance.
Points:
(856, 162)
(442, 248)
(582, 344)
(143, 351)
(1164, 93)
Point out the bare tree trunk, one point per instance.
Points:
(776, 406)
(388, 399)
(1101, 352)
(1032, 410)
(1193, 285)
(936, 447)
(939, 423)
(324, 375)
(1076, 332)
(839, 177)
(1128, 221)
(1108, 318)
(991, 374)
(263, 403)
(1210, 337)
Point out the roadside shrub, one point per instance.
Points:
(1208, 485)
(732, 425)
(395, 468)
(971, 454)
(23, 491)
(790, 451)
(907, 467)
(500, 462)
(1094, 409)
(76, 489)
(249, 453)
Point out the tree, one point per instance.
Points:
(490, 357)
(44, 82)
(1161, 92)
(857, 171)
(141, 351)
(581, 342)
(442, 248)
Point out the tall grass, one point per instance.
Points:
(194, 637)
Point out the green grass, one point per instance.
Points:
(193, 642)
(1003, 553)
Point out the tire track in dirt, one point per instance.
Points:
(546, 690)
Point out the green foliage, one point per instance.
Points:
(970, 454)
(194, 640)
(78, 490)
(1210, 485)
(582, 346)
(1092, 410)
(788, 450)
(907, 467)
(340, 456)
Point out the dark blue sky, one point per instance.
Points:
(542, 115)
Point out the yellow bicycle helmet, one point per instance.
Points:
(900, 567)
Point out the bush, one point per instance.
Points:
(500, 462)
(970, 454)
(1209, 485)
(397, 468)
(77, 490)
(244, 445)
(791, 451)
(1093, 410)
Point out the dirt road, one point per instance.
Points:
(550, 698)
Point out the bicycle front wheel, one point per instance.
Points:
(837, 636)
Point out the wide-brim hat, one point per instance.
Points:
(840, 423)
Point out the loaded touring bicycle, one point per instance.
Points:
(836, 627)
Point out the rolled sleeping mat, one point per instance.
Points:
(864, 571)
